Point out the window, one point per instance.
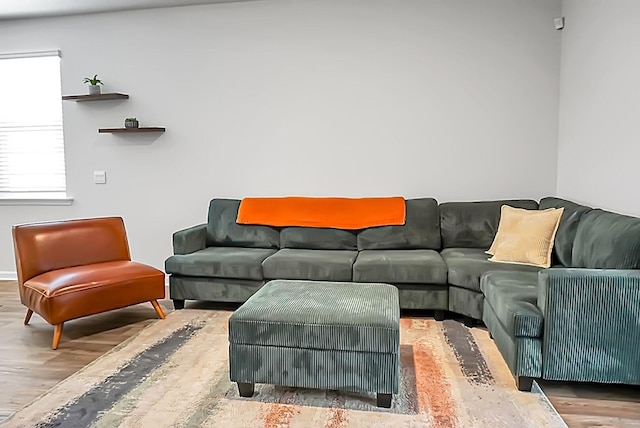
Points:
(31, 138)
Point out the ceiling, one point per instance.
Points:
(17, 9)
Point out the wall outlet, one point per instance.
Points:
(99, 177)
(559, 23)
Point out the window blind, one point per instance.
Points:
(31, 136)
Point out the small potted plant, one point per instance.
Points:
(131, 122)
(94, 84)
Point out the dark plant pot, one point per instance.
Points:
(131, 123)
(94, 89)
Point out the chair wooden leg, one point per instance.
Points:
(158, 309)
(57, 334)
(27, 317)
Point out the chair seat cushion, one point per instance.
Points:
(320, 315)
(319, 265)
(467, 265)
(513, 297)
(82, 278)
(400, 266)
(74, 292)
(220, 262)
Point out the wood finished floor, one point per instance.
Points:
(28, 366)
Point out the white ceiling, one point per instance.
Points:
(17, 9)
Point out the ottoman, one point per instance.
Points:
(324, 335)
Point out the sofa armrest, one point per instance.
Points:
(568, 285)
(189, 240)
(591, 324)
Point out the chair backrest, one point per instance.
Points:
(43, 247)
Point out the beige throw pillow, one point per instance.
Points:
(525, 236)
(499, 237)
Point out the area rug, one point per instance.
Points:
(175, 374)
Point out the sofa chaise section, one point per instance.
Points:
(579, 322)
(515, 322)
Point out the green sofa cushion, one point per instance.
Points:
(467, 265)
(606, 240)
(567, 229)
(220, 262)
(320, 315)
(474, 224)
(317, 238)
(318, 265)
(400, 266)
(421, 229)
(512, 297)
(223, 231)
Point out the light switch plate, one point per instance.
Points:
(100, 177)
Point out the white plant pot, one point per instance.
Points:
(94, 89)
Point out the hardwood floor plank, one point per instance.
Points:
(28, 365)
(577, 421)
(597, 407)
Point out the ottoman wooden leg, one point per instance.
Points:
(384, 400)
(245, 389)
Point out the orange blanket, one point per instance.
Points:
(338, 213)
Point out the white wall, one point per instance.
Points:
(599, 138)
(452, 99)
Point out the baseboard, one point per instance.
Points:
(7, 275)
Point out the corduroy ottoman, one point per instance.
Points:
(324, 335)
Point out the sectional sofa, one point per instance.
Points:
(581, 317)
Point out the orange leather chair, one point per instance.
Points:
(71, 269)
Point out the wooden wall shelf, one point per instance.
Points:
(130, 130)
(97, 97)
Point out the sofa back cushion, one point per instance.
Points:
(317, 238)
(420, 231)
(223, 230)
(605, 240)
(566, 235)
(474, 224)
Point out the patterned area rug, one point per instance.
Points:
(175, 374)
